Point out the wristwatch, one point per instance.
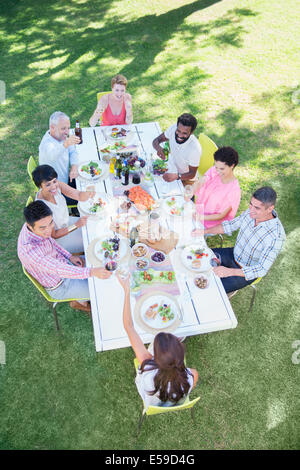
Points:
(179, 176)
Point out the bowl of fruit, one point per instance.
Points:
(158, 257)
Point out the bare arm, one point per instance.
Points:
(73, 193)
(195, 376)
(158, 140)
(219, 216)
(101, 107)
(137, 344)
(185, 176)
(128, 108)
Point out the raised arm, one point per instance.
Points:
(101, 106)
(137, 344)
(157, 147)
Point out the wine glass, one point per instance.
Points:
(188, 193)
(123, 270)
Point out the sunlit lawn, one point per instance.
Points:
(234, 65)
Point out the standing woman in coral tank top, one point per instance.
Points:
(114, 108)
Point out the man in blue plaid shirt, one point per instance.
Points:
(259, 241)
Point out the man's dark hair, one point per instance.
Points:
(189, 120)
(266, 195)
(227, 155)
(36, 211)
(43, 173)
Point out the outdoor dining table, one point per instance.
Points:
(202, 310)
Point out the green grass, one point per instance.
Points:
(234, 65)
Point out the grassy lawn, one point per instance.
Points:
(233, 64)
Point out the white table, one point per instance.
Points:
(204, 310)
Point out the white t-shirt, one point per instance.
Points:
(59, 210)
(145, 383)
(182, 155)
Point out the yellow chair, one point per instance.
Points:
(253, 285)
(31, 165)
(101, 93)
(154, 410)
(29, 200)
(207, 156)
(47, 296)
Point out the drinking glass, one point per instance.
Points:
(123, 270)
(188, 193)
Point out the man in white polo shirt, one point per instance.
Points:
(185, 149)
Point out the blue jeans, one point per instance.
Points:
(231, 283)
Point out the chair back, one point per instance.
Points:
(31, 165)
(39, 287)
(29, 201)
(207, 155)
(101, 93)
(154, 410)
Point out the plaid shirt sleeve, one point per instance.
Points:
(267, 258)
(230, 226)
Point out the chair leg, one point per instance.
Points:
(193, 414)
(221, 238)
(141, 422)
(252, 299)
(55, 316)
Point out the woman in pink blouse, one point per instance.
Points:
(218, 196)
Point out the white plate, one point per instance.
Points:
(87, 176)
(172, 202)
(159, 299)
(126, 138)
(99, 252)
(187, 252)
(86, 206)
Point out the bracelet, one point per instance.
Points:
(71, 228)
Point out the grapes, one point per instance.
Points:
(143, 163)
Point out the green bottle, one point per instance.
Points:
(118, 168)
(166, 150)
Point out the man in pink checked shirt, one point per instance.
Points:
(62, 274)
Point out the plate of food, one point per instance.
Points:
(147, 277)
(91, 170)
(174, 205)
(139, 250)
(114, 148)
(196, 258)
(95, 205)
(116, 134)
(141, 199)
(159, 311)
(124, 222)
(110, 248)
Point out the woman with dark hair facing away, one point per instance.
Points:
(51, 192)
(114, 108)
(218, 194)
(162, 378)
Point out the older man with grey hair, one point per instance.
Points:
(57, 148)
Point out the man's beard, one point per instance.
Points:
(181, 141)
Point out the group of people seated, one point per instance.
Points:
(50, 242)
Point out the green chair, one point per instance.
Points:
(253, 285)
(31, 165)
(154, 410)
(207, 155)
(29, 201)
(47, 296)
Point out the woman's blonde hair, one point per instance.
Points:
(119, 79)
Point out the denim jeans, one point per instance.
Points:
(231, 283)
